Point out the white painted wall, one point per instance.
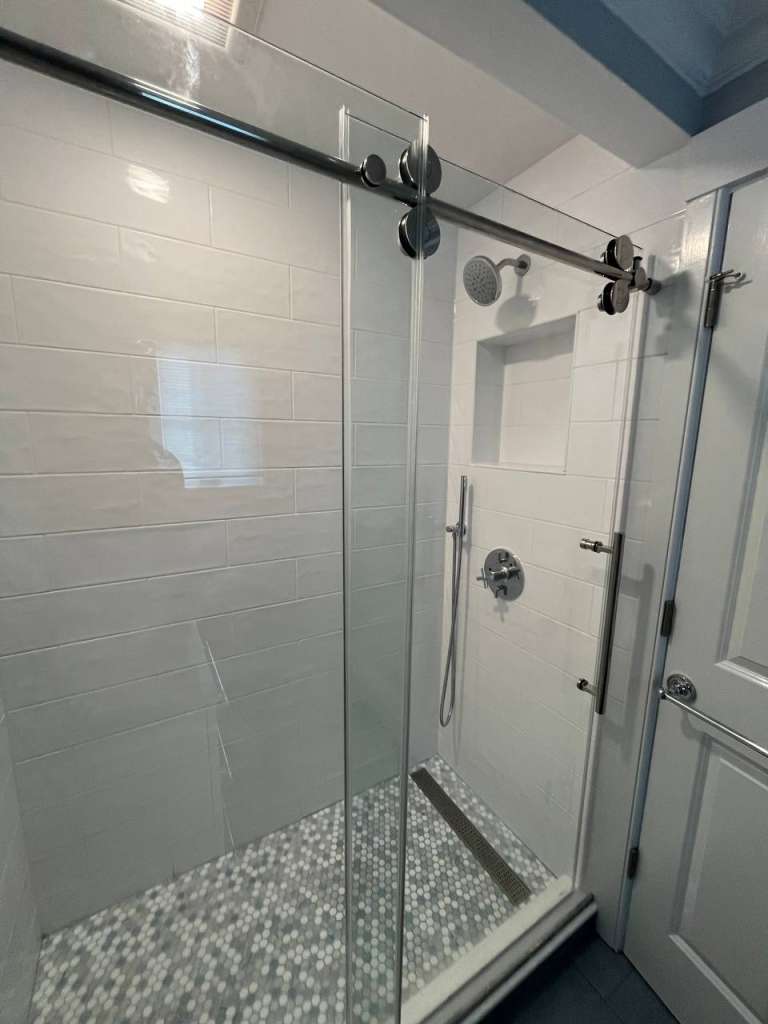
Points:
(170, 398)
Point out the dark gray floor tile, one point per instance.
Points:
(568, 998)
(602, 967)
(637, 1003)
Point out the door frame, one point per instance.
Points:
(719, 213)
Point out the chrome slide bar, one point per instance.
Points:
(739, 737)
(145, 96)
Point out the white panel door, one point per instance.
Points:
(698, 927)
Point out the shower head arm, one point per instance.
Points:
(521, 263)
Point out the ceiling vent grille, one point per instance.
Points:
(207, 19)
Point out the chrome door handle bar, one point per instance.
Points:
(614, 550)
(739, 737)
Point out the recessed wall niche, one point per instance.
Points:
(523, 397)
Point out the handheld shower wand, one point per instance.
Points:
(458, 531)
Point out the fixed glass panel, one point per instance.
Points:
(535, 400)
(172, 528)
(383, 527)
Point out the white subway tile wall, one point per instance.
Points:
(170, 499)
(537, 410)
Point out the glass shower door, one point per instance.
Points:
(171, 524)
(537, 393)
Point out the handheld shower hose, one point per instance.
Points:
(448, 692)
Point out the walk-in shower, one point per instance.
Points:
(240, 418)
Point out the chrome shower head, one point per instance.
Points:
(482, 277)
(482, 280)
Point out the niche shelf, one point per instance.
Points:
(522, 403)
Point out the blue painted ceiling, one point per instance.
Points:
(698, 61)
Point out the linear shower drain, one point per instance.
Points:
(489, 859)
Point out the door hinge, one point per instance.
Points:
(634, 857)
(715, 283)
(667, 618)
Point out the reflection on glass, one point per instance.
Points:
(206, 19)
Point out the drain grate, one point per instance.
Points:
(489, 859)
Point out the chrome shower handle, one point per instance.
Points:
(506, 572)
(499, 568)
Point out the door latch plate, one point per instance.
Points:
(680, 686)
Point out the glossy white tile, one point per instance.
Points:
(379, 444)
(77, 559)
(156, 143)
(288, 234)
(42, 379)
(69, 316)
(56, 672)
(171, 269)
(184, 388)
(316, 397)
(71, 721)
(45, 504)
(273, 537)
(379, 401)
(16, 453)
(273, 666)
(76, 443)
(318, 490)
(41, 104)
(594, 391)
(7, 313)
(373, 487)
(593, 449)
(173, 498)
(380, 356)
(37, 243)
(249, 444)
(280, 344)
(242, 632)
(53, 175)
(319, 574)
(89, 612)
(23, 568)
(315, 297)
